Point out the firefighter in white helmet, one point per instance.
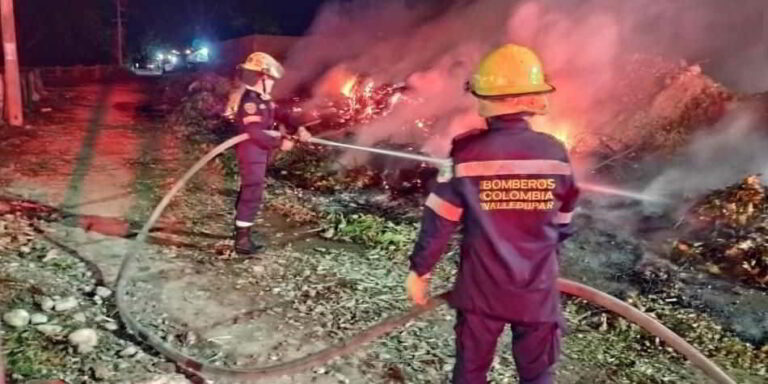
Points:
(253, 111)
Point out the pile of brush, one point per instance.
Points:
(201, 105)
(727, 234)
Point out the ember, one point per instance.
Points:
(729, 233)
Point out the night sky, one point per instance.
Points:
(180, 21)
(55, 32)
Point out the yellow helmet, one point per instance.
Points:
(509, 71)
(264, 63)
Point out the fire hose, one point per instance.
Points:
(207, 370)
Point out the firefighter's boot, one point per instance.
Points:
(244, 244)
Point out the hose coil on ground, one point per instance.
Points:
(219, 373)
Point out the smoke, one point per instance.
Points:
(732, 150)
(607, 58)
(719, 156)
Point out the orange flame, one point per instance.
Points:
(562, 136)
(561, 130)
(349, 86)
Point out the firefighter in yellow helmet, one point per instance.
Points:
(514, 193)
(253, 111)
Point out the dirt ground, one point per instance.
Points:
(101, 159)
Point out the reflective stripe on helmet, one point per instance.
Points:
(563, 217)
(443, 208)
(513, 167)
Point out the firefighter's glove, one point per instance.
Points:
(303, 134)
(417, 288)
(287, 145)
(445, 173)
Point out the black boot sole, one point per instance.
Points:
(248, 252)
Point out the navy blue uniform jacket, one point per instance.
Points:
(254, 116)
(514, 194)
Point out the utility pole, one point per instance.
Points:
(119, 33)
(12, 82)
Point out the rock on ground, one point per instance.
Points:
(110, 326)
(51, 255)
(46, 304)
(79, 317)
(129, 352)
(101, 372)
(38, 318)
(65, 304)
(18, 318)
(167, 379)
(49, 330)
(85, 340)
(103, 292)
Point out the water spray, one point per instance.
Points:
(446, 168)
(440, 162)
(444, 165)
(606, 190)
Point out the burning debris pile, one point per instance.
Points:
(341, 101)
(337, 105)
(728, 234)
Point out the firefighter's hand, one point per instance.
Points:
(303, 134)
(417, 288)
(286, 145)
